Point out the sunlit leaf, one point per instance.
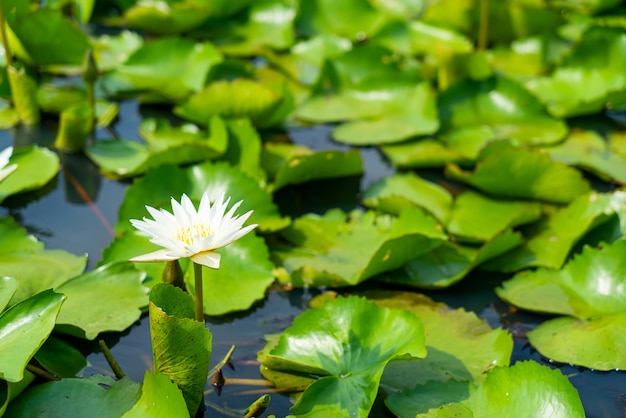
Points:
(23, 329)
(8, 286)
(110, 51)
(342, 343)
(596, 343)
(478, 217)
(339, 250)
(160, 398)
(289, 164)
(244, 148)
(506, 109)
(77, 398)
(423, 153)
(400, 191)
(35, 167)
(549, 241)
(523, 174)
(171, 67)
(106, 299)
(181, 345)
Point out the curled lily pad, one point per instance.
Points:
(589, 151)
(161, 184)
(106, 299)
(591, 284)
(23, 329)
(342, 343)
(181, 345)
(447, 264)
(478, 217)
(524, 174)
(77, 398)
(395, 193)
(549, 241)
(339, 250)
(35, 167)
(289, 164)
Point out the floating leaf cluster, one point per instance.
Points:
(501, 121)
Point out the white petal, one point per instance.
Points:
(208, 258)
(158, 255)
(5, 156)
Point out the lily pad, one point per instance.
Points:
(10, 390)
(110, 51)
(8, 286)
(340, 250)
(35, 269)
(160, 398)
(447, 264)
(522, 173)
(244, 148)
(596, 63)
(119, 158)
(400, 191)
(171, 67)
(106, 299)
(423, 153)
(77, 398)
(342, 343)
(181, 345)
(161, 184)
(549, 241)
(35, 167)
(587, 150)
(23, 329)
(476, 217)
(593, 283)
(596, 343)
(169, 18)
(505, 108)
(292, 164)
(60, 358)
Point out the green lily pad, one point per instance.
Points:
(10, 390)
(476, 217)
(596, 63)
(461, 346)
(77, 398)
(160, 398)
(35, 269)
(168, 18)
(587, 150)
(106, 299)
(161, 136)
(181, 345)
(549, 241)
(293, 164)
(432, 400)
(423, 153)
(506, 109)
(523, 174)
(525, 389)
(47, 38)
(340, 250)
(119, 158)
(110, 51)
(355, 20)
(8, 286)
(239, 98)
(23, 329)
(596, 343)
(447, 264)
(60, 358)
(35, 167)
(400, 191)
(244, 148)
(171, 67)
(342, 343)
(589, 285)
(161, 184)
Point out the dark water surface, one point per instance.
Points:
(63, 217)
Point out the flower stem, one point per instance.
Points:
(197, 274)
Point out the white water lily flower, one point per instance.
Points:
(5, 168)
(186, 233)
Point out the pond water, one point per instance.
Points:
(75, 213)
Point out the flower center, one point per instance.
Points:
(189, 234)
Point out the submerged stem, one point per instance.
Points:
(113, 364)
(197, 274)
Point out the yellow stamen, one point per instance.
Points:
(189, 234)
